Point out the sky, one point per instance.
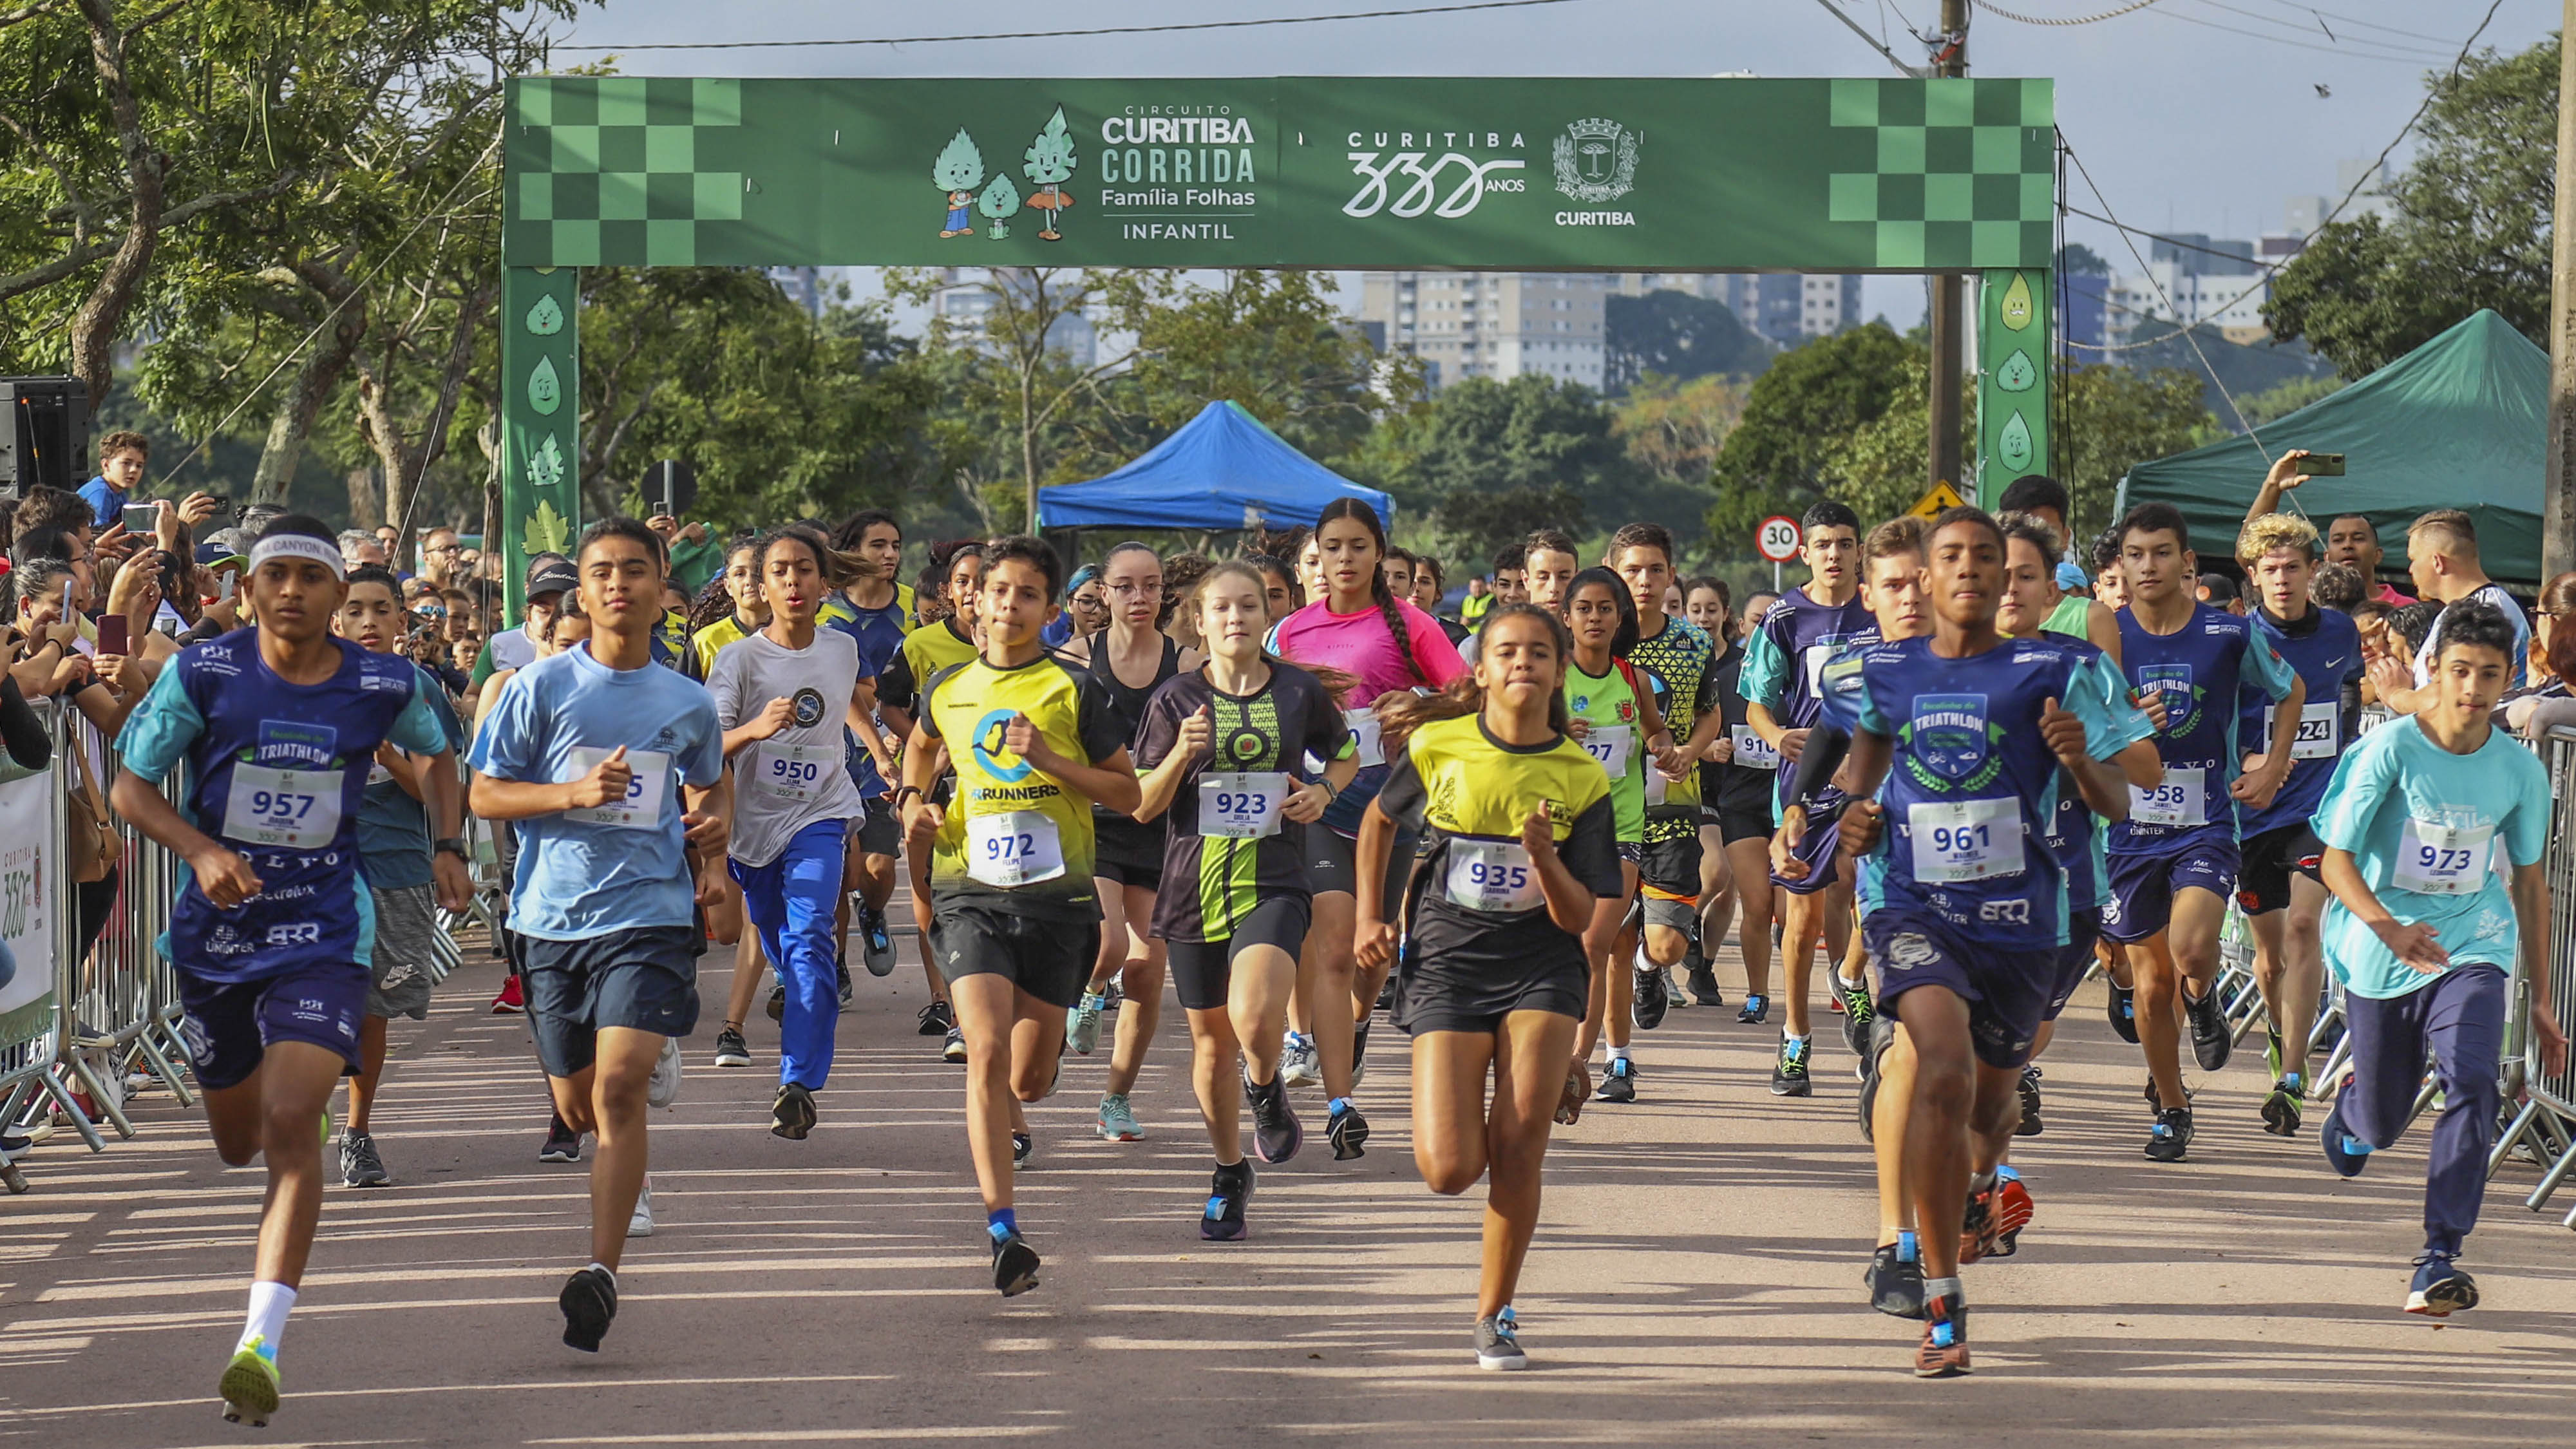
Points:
(2193, 115)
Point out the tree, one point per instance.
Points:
(1798, 411)
(1675, 335)
(1488, 461)
(2109, 420)
(2470, 226)
(1673, 429)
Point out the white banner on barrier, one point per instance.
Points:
(29, 883)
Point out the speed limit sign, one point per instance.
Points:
(1777, 538)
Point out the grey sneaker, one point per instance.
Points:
(359, 1164)
(1082, 1024)
(1118, 1120)
(1297, 1065)
(641, 1225)
(663, 1087)
(1498, 1343)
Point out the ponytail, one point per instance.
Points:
(1399, 716)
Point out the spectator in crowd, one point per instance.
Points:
(2045, 499)
(440, 558)
(2545, 702)
(1480, 597)
(1084, 613)
(360, 549)
(122, 457)
(2340, 587)
(2220, 592)
(550, 576)
(2442, 554)
(692, 555)
(2351, 538)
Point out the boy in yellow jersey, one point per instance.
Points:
(1014, 921)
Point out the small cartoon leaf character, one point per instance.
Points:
(1050, 164)
(1001, 201)
(544, 531)
(958, 171)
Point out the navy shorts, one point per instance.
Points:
(878, 833)
(1818, 849)
(2075, 958)
(644, 978)
(2143, 886)
(229, 1026)
(2007, 991)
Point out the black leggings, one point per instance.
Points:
(93, 901)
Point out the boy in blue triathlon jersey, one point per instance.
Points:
(591, 752)
(1962, 737)
(271, 932)
(2423, 931)
(2174, 859)
(1784, 659)
(2278, 888)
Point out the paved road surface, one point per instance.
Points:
(1695, 1279)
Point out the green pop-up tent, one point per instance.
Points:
(2459, 422)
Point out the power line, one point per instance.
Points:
(2356, 20)
(1993, 9)
(1872, 41)
(2342, 50)
(2171, 241)
(1070, 34)
(2431, 52)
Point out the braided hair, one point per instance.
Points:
(1399, 717)
(1367, 518)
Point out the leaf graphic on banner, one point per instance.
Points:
(1000, 201)
(546, 318)
(960, 166)
(2017, 374)
(2016, 304)
(545, 389)
(546, 531)
(546, 465)
(2013, 446)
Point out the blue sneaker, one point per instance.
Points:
(2440, 1288)
(2345, 1153)
(1756, 1007)
(879, 942)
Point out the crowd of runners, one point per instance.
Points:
(1971, 759)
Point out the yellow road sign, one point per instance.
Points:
(1930, 504)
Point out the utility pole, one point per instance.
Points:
(2558, 509)
(1949, 313)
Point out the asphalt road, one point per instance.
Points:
(1695, 1279)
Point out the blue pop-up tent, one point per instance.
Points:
(1223, 470)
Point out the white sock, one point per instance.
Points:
(1618, 1054)
(269, 1305)
(1645, 962)
(604, 1268)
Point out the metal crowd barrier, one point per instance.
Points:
(2544, 1125)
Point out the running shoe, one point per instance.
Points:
(1021, 1146)
(2440, 1288)
(2123, 1011)
(1118, 1120)
(1651, 1000)
(1228, 1191)
(1977, 1224)
(639, 1224)
(1297, 1066)
(1348, 1131)
(1276, 1133)
(1882, 1035)
(250, 1383)
(2345, 1153)
(731, 1049)
(562, 1143)
(1569, 1102)
(1858, 1012)
(2272, 1050)
(1944, 1351)
(2212, 1043)
(777, 1001)
(1703, 986)
(2281, 1109)
(1498, 1343)
(2171, 1136)
(876, 942)
(1895, 1279)
(841, 980)
(1015, 1264)
(589, 1304)
(512, 998)
(1789, 1076)
(1359, 1053)
(792, 1115)
(2012, 1210)
(936, 1019)
(663, 1087)
(953, 1050)
(359, 1164)
(1082, 1024)
(1756, 1007)
(2028, 1087)
(1618, 1082)
(1673, 992)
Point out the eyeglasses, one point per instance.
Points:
(444, 548)
(1129, 591)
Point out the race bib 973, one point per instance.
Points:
(2444, 860)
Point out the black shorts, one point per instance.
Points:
(2263, 880)
(1332, 863)
(1668, 882)
(879, 832)
(229, 1026)
(1203, 971)
(1048, 959)
(1736, 823)
(1475, 992)
(645, 978)
(2006, 991)
(1127, 852)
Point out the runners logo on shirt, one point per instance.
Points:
(1951, 744)
(988, 748)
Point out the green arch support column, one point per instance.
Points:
(2015, 338)
(540, 419)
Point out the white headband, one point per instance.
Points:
(298, 546)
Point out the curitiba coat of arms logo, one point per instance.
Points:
(1596, 160)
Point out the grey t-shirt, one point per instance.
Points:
(798, 776)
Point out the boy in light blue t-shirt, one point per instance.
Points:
(2423, 932)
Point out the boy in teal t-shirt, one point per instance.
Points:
(2423, 932)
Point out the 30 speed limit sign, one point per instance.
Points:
(1777, 538)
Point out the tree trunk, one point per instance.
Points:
(301, 403)
(102, 315)
(1029, 438)
(363, 497)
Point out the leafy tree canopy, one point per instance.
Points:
(1797, 412)
(1675, 335)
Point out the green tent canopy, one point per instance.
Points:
(2460, 422)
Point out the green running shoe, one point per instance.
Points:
(249, 1385)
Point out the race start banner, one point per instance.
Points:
(1811, 175)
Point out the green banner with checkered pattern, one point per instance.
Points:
(1816, 175)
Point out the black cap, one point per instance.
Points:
(552, 576)
(2222, 589)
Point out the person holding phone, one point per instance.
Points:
(122, 458)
